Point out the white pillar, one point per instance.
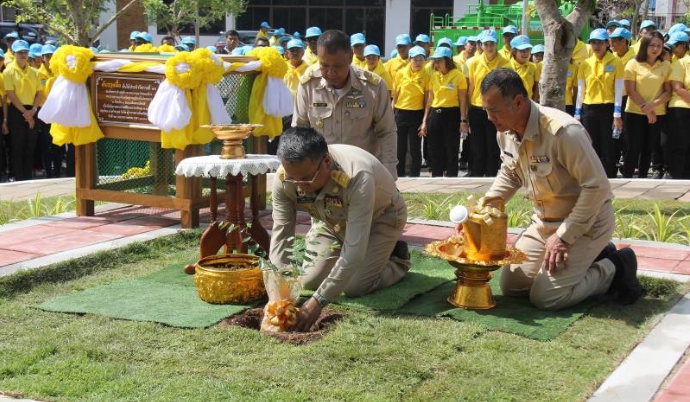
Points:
(230, 22)
(460, 7)
(397, 21)
(109, 36)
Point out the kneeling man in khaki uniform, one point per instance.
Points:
(547, 152)
(358, 216)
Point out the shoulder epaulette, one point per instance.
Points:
(369, 77)
(307, 75)
(341, 178)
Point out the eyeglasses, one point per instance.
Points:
(307, 182)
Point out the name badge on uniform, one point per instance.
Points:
(451, 86)
(609, 68)
(355, 104)
(305, 199)
(333, 201)
(569, 74)
(539, 159)
(508, 153)
(320, 104)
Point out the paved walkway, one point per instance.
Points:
(38, 242)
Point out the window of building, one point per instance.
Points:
(421, 12)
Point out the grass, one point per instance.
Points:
(372, 357)
(12, 211)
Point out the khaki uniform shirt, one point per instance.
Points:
(556, 164)
(359, 192)
(360, 115)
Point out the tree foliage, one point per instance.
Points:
(176, 14)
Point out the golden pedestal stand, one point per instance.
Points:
(232, 136)
(472, 290)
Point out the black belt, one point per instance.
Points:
(444, 109)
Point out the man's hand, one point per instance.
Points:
(556, 256)
(308, 314)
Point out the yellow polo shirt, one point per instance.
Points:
(359, 63)
(395, 64)
(580, 52)
(570, 84)
(629, 55)
(446, 88)
(24, 82)
(310, 57)
(528, 74)
(380, 70)
(505, 52)
(478, 69)
(680, 71)
(292, 77)
(600, 77)
(649, 83)
(411, 88)
(2, 85)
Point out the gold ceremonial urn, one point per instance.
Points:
(229, 279)
(232, 136)
(486, 231)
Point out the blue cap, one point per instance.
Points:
(48, 49)
(357, 39)
(488, 36)
(296, 35)
(441, 52)
(212, 48)
(417, 51)
(678, 37)
(20, 45)
(372, 50)
(188, 40)
(284, 38)
(422, 38)
(510, 29)
(279, 49)
(12, 35)
(312, 32)
(538, 49)
(145, 36)
(677, 28)
(2, 54)
(94, 50)
(265, 25)
(598, 34)
(624, 23)
(520, 42)
(183, 48)
(295, 43)
(133, 35)
(462, 41)
(472, 38)
(445, 41)
(613, 23)
(647, 24)
(394, 54)
(621, 33)
(36, 49)
(403, 40)
(279, 32)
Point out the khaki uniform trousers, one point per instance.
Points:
(583, 277)
(379, 269)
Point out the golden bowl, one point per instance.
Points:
(229, 279)
(453, 251)
(232, 136)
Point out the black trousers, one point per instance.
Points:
(484, 147)
(641, 139)
(658, 156)
(598, 121)
(52, 154)
(444, 141)
(408, 122)
(677, 150)
(23, 143)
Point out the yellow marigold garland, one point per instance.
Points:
(167, 49)
(191, 78)
(73, 63)
(209, 65)
(272, 63)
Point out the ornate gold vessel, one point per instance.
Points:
(232, 136)
(486, 241)
(472, 290)
(229, 279)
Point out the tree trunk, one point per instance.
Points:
(560, 38)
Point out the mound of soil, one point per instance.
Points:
(252, 319)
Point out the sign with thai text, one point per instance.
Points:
(124, 98)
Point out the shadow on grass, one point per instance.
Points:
(24, 281)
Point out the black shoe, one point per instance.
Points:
(625, 280)
(463, 165)
(658, 175)
(401, 250)
(609, 249)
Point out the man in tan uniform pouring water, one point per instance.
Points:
(346, 104)
(355, 249)
(547, 152)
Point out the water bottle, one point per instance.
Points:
(616, 133)
(463, 135)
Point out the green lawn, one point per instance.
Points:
(372, 357)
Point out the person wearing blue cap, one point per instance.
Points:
(394, 54)
(611, 26)
(52, 154)
(509, 32)
(599, 99)
(357, 43)
(277, 34)
(190, 42)
(468, 50)
(296, 66)
(144, 44)
(348, 105)
(619, 40)
(133, 40)
(263, 30)
(23, 87)
(424, 42)
(184, 48)
(372, 57)
(679, 45)
(646, 27)
(312, 36)
(410, 88)
(649, 88)
(678, 143)
(445, 114)
(35, 55)
(521, 49)
(484, 159)
(459, 48)
(403, 44)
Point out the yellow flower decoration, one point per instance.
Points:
(145, 48)
(180, 71)
(73, 63)
(209, 64)
(272, 63)
(167, 49)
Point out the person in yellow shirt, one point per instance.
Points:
(52, 154)
(144, 44)
(611, 26)
(4, 136)
(402, 45)
(678, 144)
(263, 30)
(445, 114)
(509, 32)
(424, 42)
(296, 65)
(519, 62)
(277, 34)
(312, 37)
(484, 158)
(23, 86)
(538, 60)
(188, 41)
(372, 56)
(469, 49)
(646, 27)
(410, 92)
(9, 40)
(460, 48)
(570, 88)
(599, 97)
(357, 43)
(679, 45)
(647, 82)
(619, 40)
